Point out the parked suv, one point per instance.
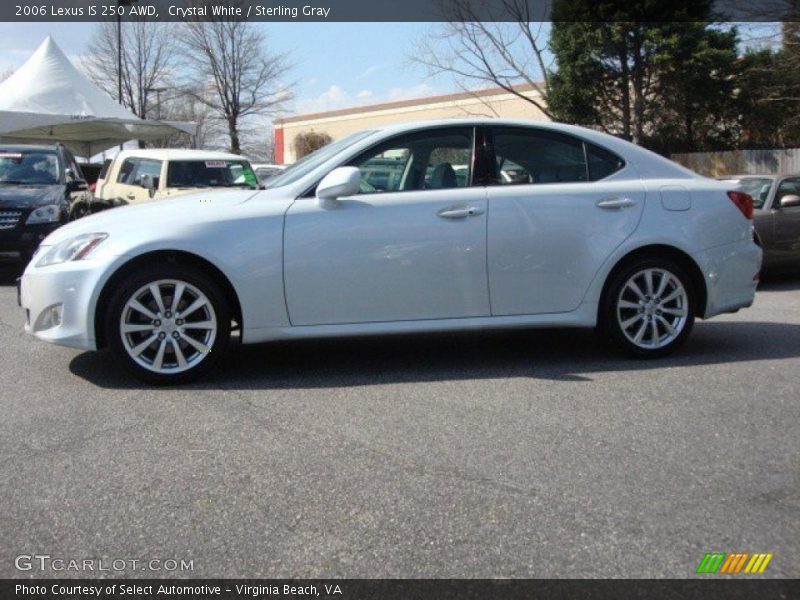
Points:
(41, 188)
(136, 176)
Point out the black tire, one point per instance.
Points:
(612, 316)
(196, 281)
(78, 211)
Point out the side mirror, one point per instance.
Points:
(77, 185)
(148, 184)
(790, 200)
(344, 181)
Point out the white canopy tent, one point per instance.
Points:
(48, 100)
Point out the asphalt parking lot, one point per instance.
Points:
(524, 454)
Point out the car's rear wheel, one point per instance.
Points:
(168, 324)
(648, 308)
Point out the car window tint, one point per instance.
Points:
(758, 189)
(104, 170)
(535, 156)
(126, 171)
(34, 168)
(72, 165)
(147, 167)
(602, 163)
(429, 160)
(787, 187)
(210, 173)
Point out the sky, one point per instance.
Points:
(337, 65)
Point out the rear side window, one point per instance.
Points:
(530, 156)
(211, 173)
(602, 163)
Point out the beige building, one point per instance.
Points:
(493, 102)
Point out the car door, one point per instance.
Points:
(128, 186)
(554, 218)
(411, 245)
(786, 223)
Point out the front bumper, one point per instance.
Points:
(731, 274)
(25, 238)
(66, 290)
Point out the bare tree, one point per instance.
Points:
(497, 44)
(149, 61)
(234, 73)
(7, 73)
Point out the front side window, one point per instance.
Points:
(151, 168)
(126, 170)
(787, 187)
(28, 168)
(428, 160)
(210, 173)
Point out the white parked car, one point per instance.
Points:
(595, 232)
(135, 176)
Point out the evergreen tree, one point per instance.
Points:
(668, 84)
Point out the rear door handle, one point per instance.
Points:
(612, 203)
(459, 212)
(131, 196)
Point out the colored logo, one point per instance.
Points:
(733, 564)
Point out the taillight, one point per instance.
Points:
(743, 202)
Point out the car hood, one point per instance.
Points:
(30, 196)
(165, 216)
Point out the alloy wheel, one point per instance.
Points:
(652, 308)
(168, 326)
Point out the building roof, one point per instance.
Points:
(404, 103)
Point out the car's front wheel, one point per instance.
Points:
(168, 324)
(648, 308)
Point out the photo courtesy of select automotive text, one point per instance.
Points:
(400, 300)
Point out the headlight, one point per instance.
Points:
(73, 249)
(45, 214)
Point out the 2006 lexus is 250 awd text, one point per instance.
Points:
(436, 226)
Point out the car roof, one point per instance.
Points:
(178, 154)
(486, 121)
(27, 148)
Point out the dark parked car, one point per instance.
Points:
(41, 188)
(776, 200)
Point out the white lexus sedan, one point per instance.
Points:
(460, 224)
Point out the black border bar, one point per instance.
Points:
(405, 589)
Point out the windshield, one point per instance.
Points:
(28, 168)
(308, 163)
(210, 173)
(757, 188)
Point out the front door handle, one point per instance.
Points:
(131, 196)
(611, 203)
(459, 212)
